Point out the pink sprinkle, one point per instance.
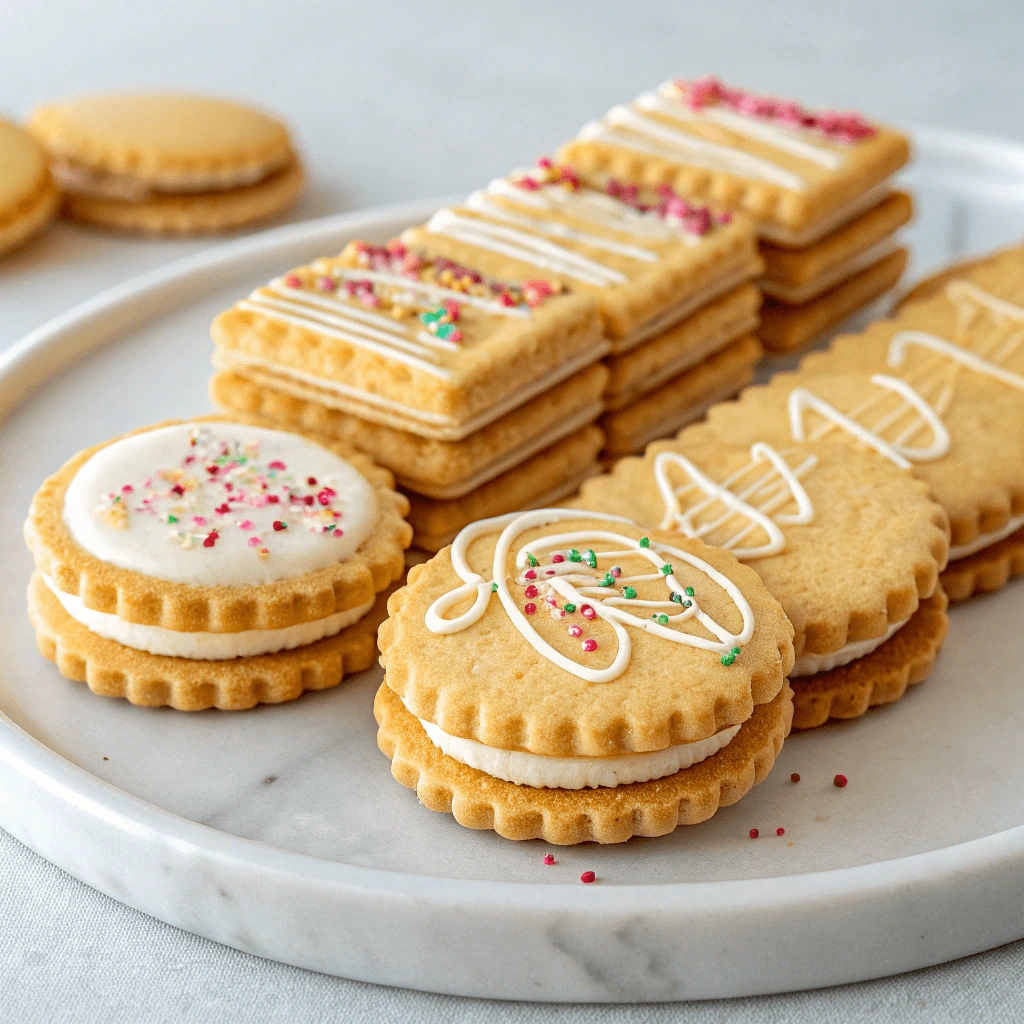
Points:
(549, 572)
(529, 608)
(587, 611)
(127, 489)
(528, 184)
(254, 542)
(724, 217)
(545, 162)
(199, 520)
(326, 284)
(615, 571)
(557, 558)
(277, 464)
(338, 532)
(531, 591)
(247, 524)
(293, 280)
(549, 859)
(575, 630)
(530, 574)
(589, 645)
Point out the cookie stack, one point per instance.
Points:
(213, 563)
(674, 282)
(480, 394)
(28, 198)
(817, 184)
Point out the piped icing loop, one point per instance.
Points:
(751, 499)
(573, 574)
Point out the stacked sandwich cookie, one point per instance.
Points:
(168, 164)
(816, 184)
(479, 393)
(567, 676)
(849, 543)
(28, 198)
(213, 563)
(673, 280)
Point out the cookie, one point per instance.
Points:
(422, 345)
(681, 400)
(961, 354)
(650, 260)
(799, 174)
(28, 198)
(796, 276)
(636, 373)
(786, 328)
(435, 469)
(168, 164)
(212, 562)
(526, 692)
(849, 544)
(543, 479)
(935, 282)
(987, 569)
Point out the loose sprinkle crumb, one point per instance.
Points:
(780, 831)
(754, 833)
(795, 777)
(587, 877)
(549, 859)
(840, 781)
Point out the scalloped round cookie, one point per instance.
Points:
(28, 198)
(652, 640)
(872, 549)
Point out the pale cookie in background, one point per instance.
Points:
(213, 563)
(850, 545)
(168, 164)
(568, 676)
(28, 198)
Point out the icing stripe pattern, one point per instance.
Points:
(570, 579)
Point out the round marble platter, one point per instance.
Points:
(280, 831)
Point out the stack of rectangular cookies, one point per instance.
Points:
(674, 282)
(816, 183)
(479, 395)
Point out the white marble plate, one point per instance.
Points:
(280, 831)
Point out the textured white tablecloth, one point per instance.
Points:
(395, 101)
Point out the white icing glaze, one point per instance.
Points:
(626, 126)
(904, 339)
(777, 487)
(984, 540)
(145, 544)
(205, 646)
(426, 424)
(567, 576)
(545, 772)
(809, 664)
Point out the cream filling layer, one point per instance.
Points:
(674, 314)
(797, 294)
(544, 772)
(797, 239)
(810, 664)
(984, 540)
(204, 646)
(424, 424)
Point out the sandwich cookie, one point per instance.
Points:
(848, 543)
(212, 563)
(28, 198)
(568, 676)
(168, 164)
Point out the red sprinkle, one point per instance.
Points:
(589, 645)
(293, 280)
(780, 831)
(840, 781)
(557, 558)
(276, 464)
(311, 481)
(210, 539)
(587, 877)
(529, 608)
(575, 631)
(549, 858)
(529, 574)
(753, 833)
(587, 611)
(279, 526)
(795, 777)
(531, 591)
(273, 499)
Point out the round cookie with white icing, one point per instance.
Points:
(213, 562)
(566, 675)
(850, 544)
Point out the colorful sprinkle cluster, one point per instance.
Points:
(441, 321)
(844, 128)
(547, 172)
(671, 207)
(210, 491)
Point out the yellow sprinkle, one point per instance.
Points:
(446, 277)
(399, 312)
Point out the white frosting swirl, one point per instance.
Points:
(150, 502)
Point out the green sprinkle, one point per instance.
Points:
(735, 650)
(494, 588)
(530, 560)
(728, 659)
(676, 598)
(687, 604)
(575, 556)
(117, 499)
(570, 608)
(629, 592)
(689, 591)
(667, 569)
(172, 519)
(608, 581)
(645, 542)
(591, 558)
(662, 619)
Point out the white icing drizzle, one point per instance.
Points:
(666, 101)
(902, 341)
(574, 584)
(774, 489)
(520, 245)
(627, 127)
